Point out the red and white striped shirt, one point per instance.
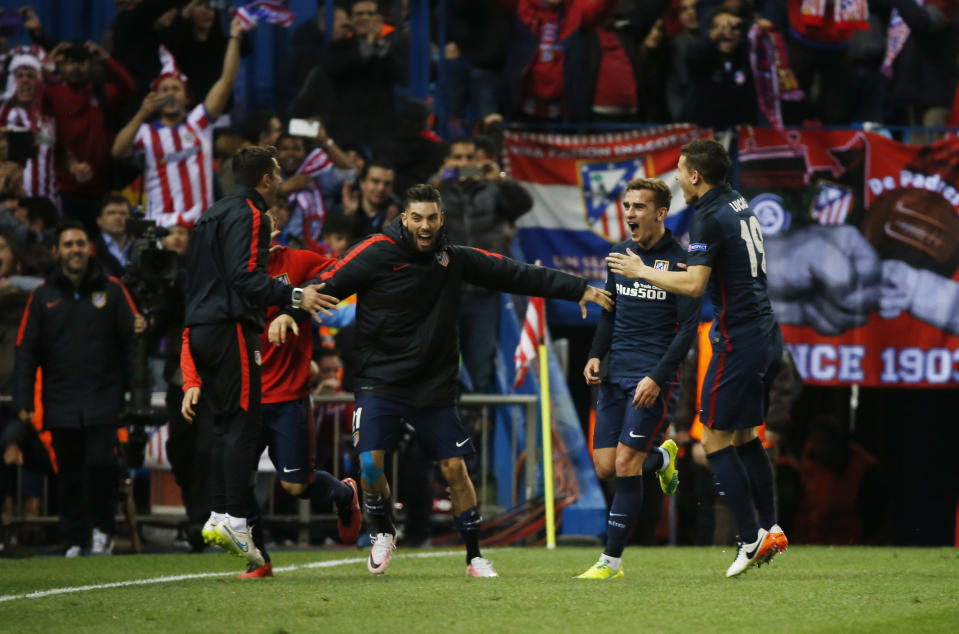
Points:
(179, 168)
(38, 175)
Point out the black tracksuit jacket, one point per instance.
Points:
(227, 279)
(82, 339)
(407, 344)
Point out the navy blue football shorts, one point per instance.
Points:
(288, 436)
(379, 424)
(735, 393)
(617, 421)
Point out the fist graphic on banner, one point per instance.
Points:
(824, 276)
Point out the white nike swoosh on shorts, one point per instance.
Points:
(461, 443)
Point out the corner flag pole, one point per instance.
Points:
(547, 427)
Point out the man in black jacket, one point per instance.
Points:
(78, 329)
(227, 292)
(408, 282)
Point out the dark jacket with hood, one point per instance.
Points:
(408, 305)
(82, 339)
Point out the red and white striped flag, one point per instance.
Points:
(529, 339)
(270, 12)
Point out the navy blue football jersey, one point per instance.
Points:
(649, 330)
(725, 235)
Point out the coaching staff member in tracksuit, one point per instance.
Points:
(408, 282)
(78, 328)
(227, 292)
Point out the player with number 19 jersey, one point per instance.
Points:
(746, 340)
(726, 236)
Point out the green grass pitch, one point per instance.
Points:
(808, 589)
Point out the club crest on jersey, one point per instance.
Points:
(603, 185)
(443, 258)
(257, 358)
(661, 265)
(99, 299)
(283, 278)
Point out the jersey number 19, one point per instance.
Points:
(752, 235)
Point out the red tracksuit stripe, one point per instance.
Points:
(355, 252)
(244, 369)
(254, 241)
(492, 255)
(126, 294)
(23, 320)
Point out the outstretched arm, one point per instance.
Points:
(691, 282)
(220, 92)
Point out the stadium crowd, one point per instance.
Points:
(145, 122)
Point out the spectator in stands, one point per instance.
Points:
(818, 48)
(24, 111)
(362, 71)
(326, 377)
(81, 108)
(308, 43)
(677, 81)
(40, 214)
(199, 43)
(416, 151)
(112, 243)
(262, 127)
(474, 65)
(178, 143)
(374, 205)
(920, 56)
(11, 179)
(134, 36)
(480, 207)
(78, 329)
(313, 171)
(548, 71)
(721, 89)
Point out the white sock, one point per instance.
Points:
(237, 523)
(665, 459)
(217, 517)
(612, 562)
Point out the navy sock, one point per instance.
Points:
(654, 461)
(760, 471)
(468, 523)
(326, 487)
(256, 526)
(733, 485)
(379, 511)
(627, 502)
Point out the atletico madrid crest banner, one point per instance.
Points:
(861, 237)
(577, 183)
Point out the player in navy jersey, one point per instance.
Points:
(647, 336)
(726, 255)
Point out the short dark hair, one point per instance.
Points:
(661, 194)
(113, 199)
(424, 193)
(709, 158)
(338, 223)
(41, 208)
(376, 162)
(486, 144)
(66, 225)
(252, 162)
(463, 141)
(256, 123)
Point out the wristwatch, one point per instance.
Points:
(297, 298)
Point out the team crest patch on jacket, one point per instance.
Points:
(443, 258)
(99, 299)
(257, 358)
(283, 278)
(661, 265)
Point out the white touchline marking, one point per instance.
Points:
(39, 594)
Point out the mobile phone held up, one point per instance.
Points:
(302, 127)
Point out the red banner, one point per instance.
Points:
(862, 243)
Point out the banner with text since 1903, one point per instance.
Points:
(861, 235)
